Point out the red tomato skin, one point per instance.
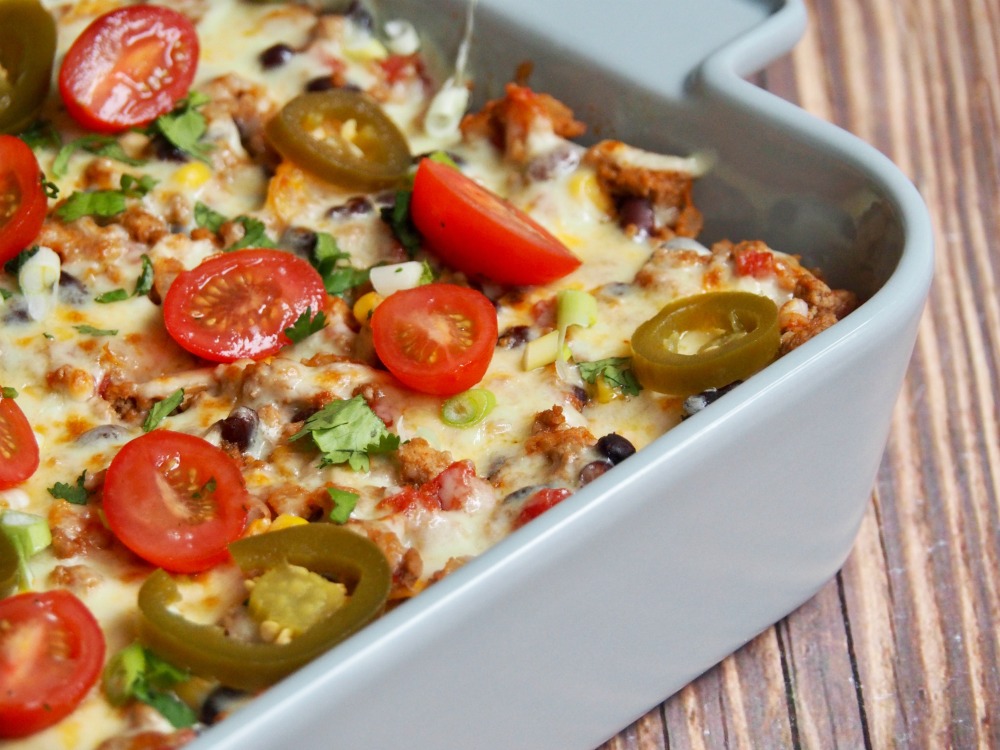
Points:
(35, 694)
(104, 77)
(430, 307)
(155, 530)
(447, 491)
(20, 174)
(756, 263)
(284, 284)
(482, 235)
(540, 502)
(18, 446)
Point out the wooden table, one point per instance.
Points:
(902, 648)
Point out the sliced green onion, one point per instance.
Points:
(575, 308)
(28, 534)
(543, 351)
(468, 408)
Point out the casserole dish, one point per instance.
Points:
(580, 622)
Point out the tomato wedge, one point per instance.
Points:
(22, 198)
(18, 447)
(540, 502)
(481, 234)
(237, 305)
(175, 500)
(51, 654)
(128, 67)
(436, 338)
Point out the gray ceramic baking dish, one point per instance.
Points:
(577, 624)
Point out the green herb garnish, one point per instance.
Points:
(616, 371)
(71, 493)
(348, 431)
(162, 409)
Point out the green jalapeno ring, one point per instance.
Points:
(27, 52)
(377, 156)
(750, 342)
(325, 549)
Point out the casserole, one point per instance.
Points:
(572, 627)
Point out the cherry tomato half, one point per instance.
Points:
(128, 67)
(51, 654)
(22, 198)
(18, 447)
(481, 234)
(237, 305)
(436, 338)
(175, 500)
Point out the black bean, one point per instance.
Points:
(359, 205)
(71, 290)
(275, 56)
(514, 337)
(16, 311)
(593, 470)
(581, 395)
(637, 212)
(167, 151)
(360, 16)
(101, 433)
(522, 494)
(220, 702)
(694, 404)
(239, 427)
(615, 447)
(320, 83)
(553, 163)
(299, 240)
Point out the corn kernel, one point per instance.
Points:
(286, 520)
(604, 391)
(193, 175)
(584, 186)
(257, 526)
(365, 306)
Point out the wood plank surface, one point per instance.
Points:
(902, 648)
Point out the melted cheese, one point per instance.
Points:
(59, 372)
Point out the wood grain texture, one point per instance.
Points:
(902, 649)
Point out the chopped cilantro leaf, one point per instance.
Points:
(145, 281)
(184, 126)
(103, 203)
(50, 188)
(162, 409)
(398, 218)
(14, 265)
(136, 673)
(6, 294)
(8, 392)
(41, 134)
(254, 234)
(344, 503)
(100, 145)
(348, 431)
(71, 493)
(337, 277)
(115, 295)
(208, 218)
(305, 325)
(136, 187)
(91, 331)
(616, 371)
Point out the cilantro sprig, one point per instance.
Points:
(104, 203)
(76, 494)
(254, 231)
(99, 145)
(616, 372)
(305, 325)
(162, 409)
(344, 503)
(142, 285)
(328, 259)
(348, 431)
(184, 126)
(136, 673)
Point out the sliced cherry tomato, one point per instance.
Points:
(128, 67)
(237, 305)
(18, 447)
(449, 490)
(481, 234)
(175, 500)
(51, 654)
(436, 338)
(540, 502)
(27, 50)
(705, 341)
(22, 198)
